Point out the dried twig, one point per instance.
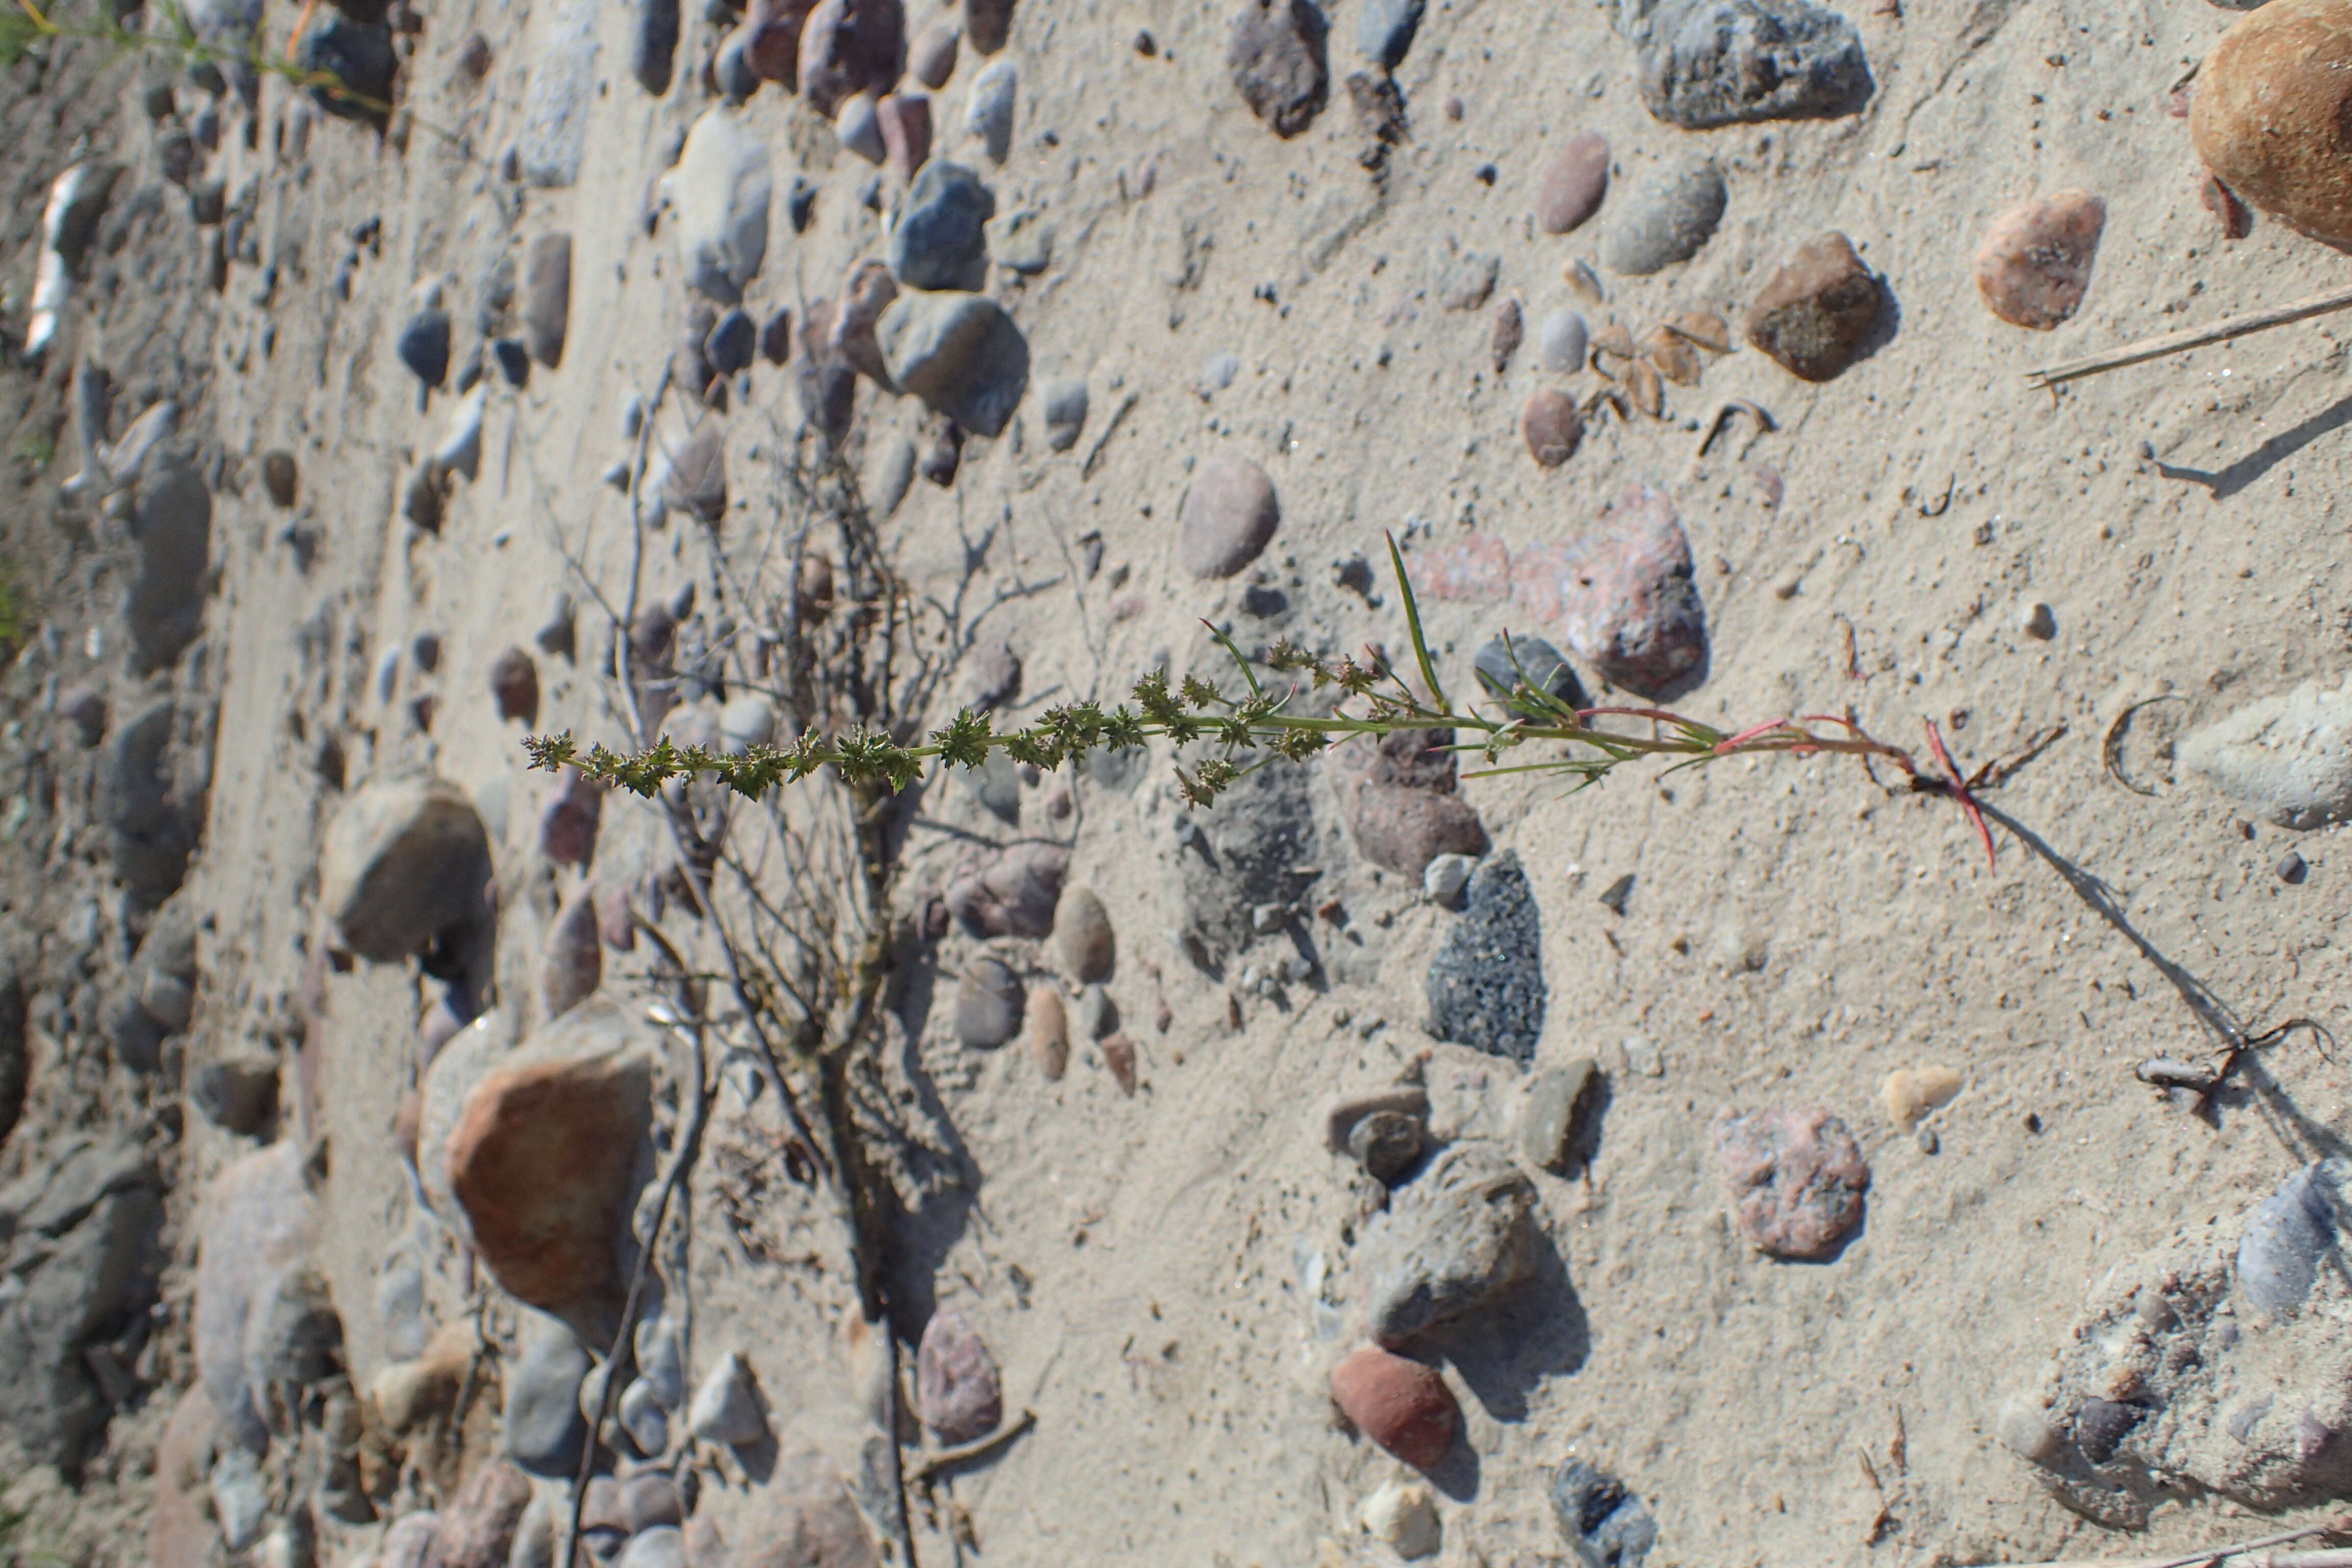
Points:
(2218, 1555)
(946, 1459)
(2191, 338)
(2111, 750)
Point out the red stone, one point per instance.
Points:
(1797, 1179)
(514, 681)
(1398, 1402)
(1552, 426)
(2034, 262)
(1573, 184)
(848, 46)
(771, 39)
(906, 122)
(1624, 596)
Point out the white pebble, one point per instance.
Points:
(1561, 341)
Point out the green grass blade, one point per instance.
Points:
(1413, 626)
(1227, 644)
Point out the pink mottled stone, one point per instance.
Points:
(2034, 262)
(1797, 1179)
(1477, 567)
(1623, 596)
(956, 1384)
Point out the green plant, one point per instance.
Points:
(28, 25)
(12, 608)
(1265, 723)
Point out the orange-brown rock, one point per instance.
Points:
(2033, 264)
(2269, 118)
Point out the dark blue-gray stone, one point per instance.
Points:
(1706, 63)
(543, 1425)
(653, 44)
(358, 56)
(1485, 985)
(1606, 1525)
(424, 346)
(1384, 30)
(2286, 1238)
(513, 359)
(940, 241)
(731, 343)
(1508, 662)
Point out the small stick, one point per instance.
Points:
(2191, 338)
(2211, 1559)
(963, 1453)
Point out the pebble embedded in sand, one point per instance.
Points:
(277, 477)
(1398, 1402)
(2287, 759)
(1574, 183)
(1555, 1121)
(1706, 63)
(1403, 1516)
(959, 353)
(1228, 516)
(956, 1384)
(988, 24)
(1796, 1177)
(1118, 1056)
(2034, 263)
(1815, 309)
(988, 112)
(1082, 929)
(1048, 1032)
(731, 343)
(514, 683)
(1063, 401)
(906, 122)
(932, 58)
(2272, 101)
(1912, 1092)
(1550, 426)
(1508, 333)
(1276, 53)
(1666, 217)
(988, 1002)
(1467, 282)
(1561, 342)
(849, 47)
(858, 128)
(771, 39)
(1386, 1143)
(1624, 596)
(424, 346)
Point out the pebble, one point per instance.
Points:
(2270, 103)
(358, 57)
(1048, 1032)
(2292, 868)
(1467, 282)
(2034, 263)
(1118, 1056)
(1666, 217)
(1556, 1119)
(1013, 892)
(1228, 516)
(237, 1093)
(2287, 759)
(726, 1408)
(644, 1419)
(1341, 1115)
(1604, 1523)
(653, 43)
(661, 1360)
(569, 821)
(988, 1002)
(940, 240)
(424, 346)
(956, 1387)
(1398, 797)
(1386, 1144)
(776, 337)
(1398, 1402)
(771, 39)
(540, 1423)
(1912, 1092)
(1561, 342)
(720, 188)
(932, 58)
(477, 1529)
(2287, 1237)
(1082, 929)
(988, 23)
(1485, 985)
(544, 1161)
(1402, 1515)
(277, 477)
(1796, 1179)
(573, 966)
(1506, 664)
(1815, 309)
(1624, 596)
(732, 341)
(859, 129)
(2038, 621)
(1550, 426)
(474, 55)
(514, 684)
(1573, 185)
(405, 860)
(1456, 1236)
(1097, 1017)
(662, 1546)
(906, 122)
(988, 111)
(995, 678)
(1064, 405)
(512, 359)
(696, 483)
(460, 451)
(1384, 30)
(959, 353)
(1444, 877)
(1707, 63)
(941, 457)
(850, 335)
(848, 46)
(556, 101)
(1275, 56)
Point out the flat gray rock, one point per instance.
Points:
(720, 188)
(959, 353)
(2287, 759)
(1455, 1237)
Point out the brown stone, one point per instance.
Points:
(1574, 182)
(1049, 1033)
(1550, 426)
(989, 24)
(1277, 56)
(574, 963)
(544, 1161)
(849, 47)
(1815, 309)
(1012, 893)
(277, 477)
(1228, 517)
(850, 335)
(955, 1383)
(2269, 118)
(771, 39)
(2034, 262)
(514, 681)
(932, 58)
(568, 822)
(1796, 1179)
(1118, 1056)
(1509, 331)
(1398, 1402)
(906, 122)
(1082, 927)
(1404, 829)
(478, 1530)
(405, 861)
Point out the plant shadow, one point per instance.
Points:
(2223, 483)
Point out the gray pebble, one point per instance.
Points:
(1384, 30)
(988, 113)
(1555, 1124)
(1386, 1143)
(1098, 1016)
(988, 1005)
(1706, 63)
(1065, 411)
(961, 354)
(1504, 665)
(1667, 215)
(1485, 985)
(1561, 342)
(2286, 1236)
(940, 241)
(1445, 875)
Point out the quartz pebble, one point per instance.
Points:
(2034, 262)
(956, 1386)
(2271, 100)
(1666, 217)
(1276, 53)
(859, 129)
(1550, 426)
(1815, 309)
(1573, 184)
(1561, 342)
(988, 1002)
(1403, 1516)
(720, 189)
(1796, 1179)
(1228, 517)
(1445, 875)
(1398, 1402)
(1912, 1092)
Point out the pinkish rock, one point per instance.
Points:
(803, 1518)
(1013, 893)
(547, 1154)
(1475, 567)
(1624, 597)
(1573, 184)
(956, 1386)
(478, 1530)
(2034, 262)
(615, 921)
(850, 335)
(514, 683)
(771, 39)
(1276, 53)
(848, 46)
(1796, 1179)
(1228, 516)
(932, 58)
(1815, 309)
(567, 823)
(1398, 1402)
(574, 962)
(180, 1530)
(906, 122)
(1552, 426)
(1398, 799)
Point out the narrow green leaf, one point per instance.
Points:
(1412, 627)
